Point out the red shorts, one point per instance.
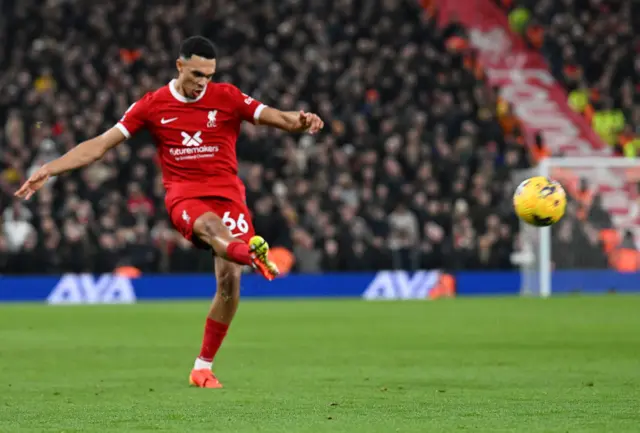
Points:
(234, 215)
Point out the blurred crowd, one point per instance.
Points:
(592, 48)
(413, 170)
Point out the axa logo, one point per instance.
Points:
(212, 119)
(85, 289)
(191, 140)
(401, 285)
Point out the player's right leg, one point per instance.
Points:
(209, 229)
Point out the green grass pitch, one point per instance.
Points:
(568, 364)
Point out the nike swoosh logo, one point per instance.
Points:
(165, 121)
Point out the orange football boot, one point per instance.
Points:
(204, 378)
(260, 258)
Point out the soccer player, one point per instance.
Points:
(195, 124)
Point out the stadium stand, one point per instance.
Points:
(413, 169)
(591, 48)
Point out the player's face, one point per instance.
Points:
(195, 73)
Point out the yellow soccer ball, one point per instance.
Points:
(539, 201)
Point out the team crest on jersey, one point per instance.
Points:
(212, 119)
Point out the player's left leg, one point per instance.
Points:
(221, 313)
(226, 223)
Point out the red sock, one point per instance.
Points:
(239, 252)
(214, 333)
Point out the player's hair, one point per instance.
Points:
(198, 46)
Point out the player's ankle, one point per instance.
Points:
(202, 364)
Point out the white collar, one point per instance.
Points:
(182, 98)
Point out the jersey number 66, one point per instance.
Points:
(232, 224)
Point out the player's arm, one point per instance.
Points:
(83, 154)
(86, 152)
(291, 121)
(254, 111)
(91, 150)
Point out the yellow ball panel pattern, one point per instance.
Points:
(540, 202)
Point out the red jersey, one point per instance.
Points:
(195, 138)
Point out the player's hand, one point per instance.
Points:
(310, 122)
(34, 183)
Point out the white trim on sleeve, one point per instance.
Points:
(123, 129)
(256, 114)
